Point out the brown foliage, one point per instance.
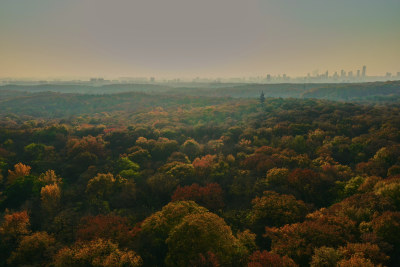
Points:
(387, 227)
(36, 249)
(99, 252)
(268, 259)
(15, 225)
(356, 261)
(94, 145)
(299, 240)
(110, 227)
(208, 259)
(360, 207)
(204, 164)
(368, 251)
(50, 196)
(309, 185)
(209, 196)
(50, 177)
(101, 185)
(273, 209)
(262, 160)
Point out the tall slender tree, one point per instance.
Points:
(262, 98)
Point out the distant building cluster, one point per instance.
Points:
(343, 76)
(359, 75)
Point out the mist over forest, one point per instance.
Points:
(55, 100)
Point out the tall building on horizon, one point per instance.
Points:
(364, 71)
(335, 75)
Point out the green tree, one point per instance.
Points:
(201, 233)
(157, 227)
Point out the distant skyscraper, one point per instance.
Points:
(350, 74)
(364, 71)
(358, 73)
(269, 77)
(342, 74)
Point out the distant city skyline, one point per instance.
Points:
(325, 77)
(340, 73)
(74, 39)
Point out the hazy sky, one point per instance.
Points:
(188, 38)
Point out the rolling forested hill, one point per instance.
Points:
(334, 91)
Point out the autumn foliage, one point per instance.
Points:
(109, 227)
(20, 170)
(265, 258)
(175, 180)
(209, 196)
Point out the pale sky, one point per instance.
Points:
(189, 38)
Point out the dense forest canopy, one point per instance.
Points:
(208, 177)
